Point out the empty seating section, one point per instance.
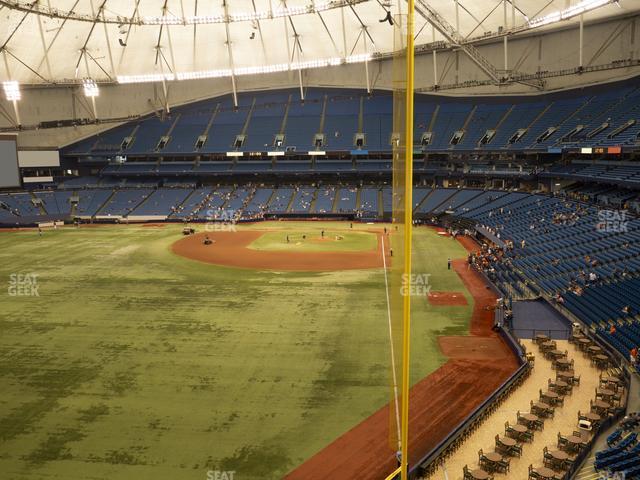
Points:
(369, 201)
(162, 202)
(419, 194)
(227, 124)
(266, 122)
(346, 201)
(123, 202)
(288, 166)
(148, 135)
(377, 123)
(434, 199)
(80, 182)
(190, 126)
(56, 203)
(280, 200)
(521, 117)
(558, 112)
(111, 140)
(333, 166)
(324, 199)
(625, 172)
(451, 117)
(252, 167)
(303, 121)
(374, 166)
(258, 203)
(175, 168)
(460, 198)
(341, 123)
(302, 200)
(387, 199)
(213, 167)
(341, 114)
(89, 201)
(485, 117)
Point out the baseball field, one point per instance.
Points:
(134, 352)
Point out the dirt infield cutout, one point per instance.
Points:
(229, 249)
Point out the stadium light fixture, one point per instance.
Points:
(578, 9)
(90, 88)
(12, 90)
(261, 69)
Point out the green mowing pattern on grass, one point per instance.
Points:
(136, 363)
(334, 240)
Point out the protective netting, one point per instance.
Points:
(396, 278)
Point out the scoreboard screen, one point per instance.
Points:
(9, 171)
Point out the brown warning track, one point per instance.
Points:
(438, 403)
(230, 249)
(447, 299)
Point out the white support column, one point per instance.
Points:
(95, 110)
(581, 46)
(44, 46)
(165, 91)
(435, 61)
(17, 112)
(457, 17)
(366, 62)
(230, 52)
(435, 69)
(14, 102)
(6, 63)
(297, 50)
(505, 26)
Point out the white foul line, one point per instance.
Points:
(393, 358)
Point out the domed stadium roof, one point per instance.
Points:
(129, 40)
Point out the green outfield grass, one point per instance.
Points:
(135, 363)
(310, 239)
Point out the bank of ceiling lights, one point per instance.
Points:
(12, 90)
(569, 12)
(238, 71)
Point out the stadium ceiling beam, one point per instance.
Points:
(13, 32)
(83, 50)
(362, 24)
(230, 54)
(259, 28)
(452, 35)
(55, 37)
(106, 37)
(44, 47)
(326, 29)
(195, 34)
(481, 22)
(51, 12)
(124, 43)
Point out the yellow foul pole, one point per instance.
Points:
(408, 225)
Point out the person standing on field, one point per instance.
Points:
(449, 264)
